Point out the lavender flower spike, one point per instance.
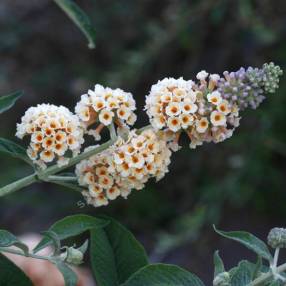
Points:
(248, 87)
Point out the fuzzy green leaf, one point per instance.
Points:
(7, 101)
(116, 249)
(69, 276)
(55, 240)
(249, 240)
(71, 226)
(10, 274)
(8, 239)
(218, 263)
(80, 19)
(258, 268)
(13, 149)
(163, 275)
(242, 275)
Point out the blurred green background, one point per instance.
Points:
(237, 184)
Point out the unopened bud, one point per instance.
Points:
(277, 237)
(73, 256)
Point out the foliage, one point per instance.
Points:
(79, 18)
(119, 259)
(7, 101)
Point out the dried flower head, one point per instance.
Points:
(54, 133)
(248, 87)
(198, 109)
(125, 166)
(104, 106)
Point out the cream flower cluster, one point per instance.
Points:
(104, 106)
(198, 109)
(141, 157)
(97, 175)
(125, 166)
(54, 132)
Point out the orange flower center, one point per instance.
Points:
(217, 117)
(203, 124)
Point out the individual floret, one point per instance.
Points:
(55, 134)
(102, 107)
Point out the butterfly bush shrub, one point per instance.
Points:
(207, 109)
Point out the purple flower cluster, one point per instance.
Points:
(247, 87)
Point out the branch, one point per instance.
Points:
(18, 252)
(46, 174)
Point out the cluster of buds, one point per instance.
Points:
(104, 106)
(277, 238)
(197, 109)
(125, 166)
(248, 87)
(55, 134)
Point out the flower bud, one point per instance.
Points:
(73, 256)
(277, 237)
(222, 279)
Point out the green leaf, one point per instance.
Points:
(69, 276)
(242, 275)
(71, 226)
(11, 275)
(8, 239)
(80, 19)
(7, 101)
(218, 263)
(55, 240)
(257, 268)
(249, 240)
(163, 275)
(83, 247)
(116, 249)
(13, 149)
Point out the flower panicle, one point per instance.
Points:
(125, 166)
(55, 134)
(104, 106)
(206, 110)
(198, 109)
